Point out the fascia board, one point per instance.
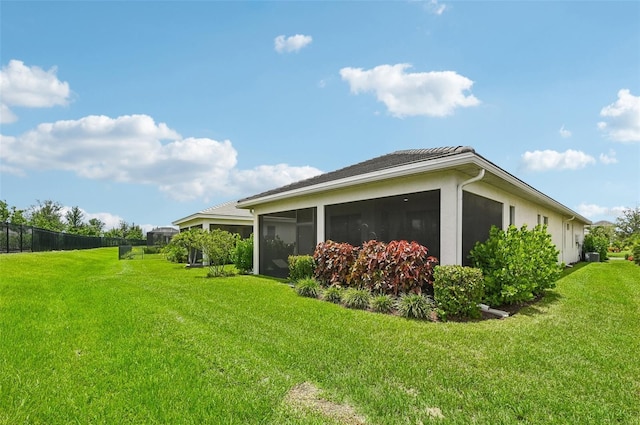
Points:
(529, 191)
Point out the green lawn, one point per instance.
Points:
(85, 338)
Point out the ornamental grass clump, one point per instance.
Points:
(382, 303)
(308, 287)
(356, 298)
(414, 306)
(333, 294)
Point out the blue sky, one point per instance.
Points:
(150, 111)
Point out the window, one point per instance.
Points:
(545, 220)
(539, 220)
(479, 214)
(512, 215)
(411, 216)
(283, 234)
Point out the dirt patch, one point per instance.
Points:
(307, 396)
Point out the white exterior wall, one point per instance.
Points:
(526, 212)
(447, 182)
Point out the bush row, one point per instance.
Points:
(382, 268)
(457, 293)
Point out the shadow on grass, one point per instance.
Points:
(567, 271)
(539, 306)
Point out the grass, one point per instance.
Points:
(86, 338)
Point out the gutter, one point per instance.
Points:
(480, 176)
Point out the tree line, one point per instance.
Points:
(49, 215)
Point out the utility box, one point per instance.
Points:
(592, 257)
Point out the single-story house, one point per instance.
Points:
(224, 216)
(445, 198)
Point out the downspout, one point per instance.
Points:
(480, 176)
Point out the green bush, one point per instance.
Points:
(457, 291)
(242, 255)
(333, 294)
(356, 298)
(596, 243)
(382, 303)
(175, 253)
(300, 267)
(414, 306)
(308, 287)
(216, 246)
(517, 265)
(635, 252)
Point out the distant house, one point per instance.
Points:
(444, 198)
(160, 236)
(224, 216)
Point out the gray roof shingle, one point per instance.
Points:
(394, 159)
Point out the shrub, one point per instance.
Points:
(242, 255)
(369, 267)
(409, 267)
(414, 306)
(382, 303)
(596, 243)
(635, 253)
(517, 265)
(333, 262)
(356, 298)
(333, 294)
(300, 267)
(394, 268)
(308, 287)
(175, 253)
(457, 291)
(216, 246)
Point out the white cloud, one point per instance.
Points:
(593, 210)
(622, 118)
(564, 133)
(293, 43)
(275, 176)
(552, 160)
(435, 94)
(136, 149)
(30, 87)
(609, 158)
(434, 7)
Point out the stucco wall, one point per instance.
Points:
(447, 182)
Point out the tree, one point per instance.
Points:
(46, 215)
(189, 241)
(75, 220)
(126, 231)
(94, 228)
(628, 226)
(216, 246)
(16, 216)
(4, 212)
(11, 215)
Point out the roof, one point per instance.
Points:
(463, 159)
(226, 211)
(391, 160)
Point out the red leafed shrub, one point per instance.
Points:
(394, 268)
(369, 269)
(409, 267)
(333, 263)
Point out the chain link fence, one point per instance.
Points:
(22, 238)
